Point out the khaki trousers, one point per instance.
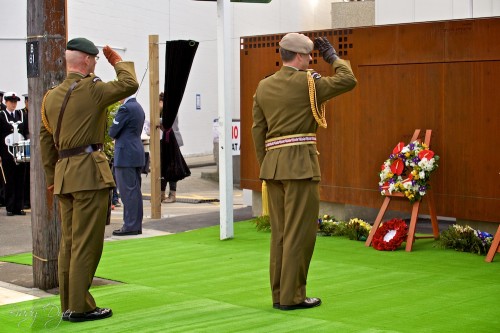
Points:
(83, 217)
(293, 212)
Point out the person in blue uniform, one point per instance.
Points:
(128, 162)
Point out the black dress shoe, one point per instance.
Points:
(96, 314)
(120, 232)
(21, 212)
(276, 305)
(309, 302)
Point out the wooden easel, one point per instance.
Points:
(495, 247)
(414, 212)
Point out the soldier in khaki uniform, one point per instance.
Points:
(285, 119)
(77, 170)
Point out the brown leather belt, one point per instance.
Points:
(80, 150)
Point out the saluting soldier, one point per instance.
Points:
(285, 120)
(77, 170)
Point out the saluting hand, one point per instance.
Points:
(112, 56)
(326, 49)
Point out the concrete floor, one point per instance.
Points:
(16, 281)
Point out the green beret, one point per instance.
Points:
(298, 43)
(83, 45)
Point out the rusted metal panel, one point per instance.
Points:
(440, 75)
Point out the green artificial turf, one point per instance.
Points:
(193, 282)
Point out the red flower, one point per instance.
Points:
(390, 235)
(397, 167)
(426, 153)
(409, 179)
(398, 148)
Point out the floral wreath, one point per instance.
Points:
(390, 235)
(407, 170)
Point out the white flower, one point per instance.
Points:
(421, 174)
(427, 165)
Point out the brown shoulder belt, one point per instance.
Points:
(63, 107)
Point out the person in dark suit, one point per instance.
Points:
(77, 169)
(13, 128)
(128, 162)
(27, 182)
(2, 106)
(285, 120)
(2, 183)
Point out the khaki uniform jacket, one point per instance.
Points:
(84, 123)
(282, 107)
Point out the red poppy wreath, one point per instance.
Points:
(390, 235)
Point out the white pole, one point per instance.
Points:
(225, 70)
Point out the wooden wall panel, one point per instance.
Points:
(442, 76)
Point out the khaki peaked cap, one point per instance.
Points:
(83, 45)
(296, 42)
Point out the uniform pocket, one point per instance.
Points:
(103, 166)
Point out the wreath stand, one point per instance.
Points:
(414, 212)
(495, 247)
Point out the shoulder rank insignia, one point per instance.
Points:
(315, 75)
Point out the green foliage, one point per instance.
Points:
(330, 226)
(109, 145)
(465, 239)
(262, 223)
(355, 229)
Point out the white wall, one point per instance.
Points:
(126, 25)
(13, 48)
(405, 11)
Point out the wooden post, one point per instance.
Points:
(154, 117)
(495, 247)
(46, 43)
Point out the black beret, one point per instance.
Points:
(83, 45)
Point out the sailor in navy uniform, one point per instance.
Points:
(11, 119)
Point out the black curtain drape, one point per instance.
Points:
(178, 60)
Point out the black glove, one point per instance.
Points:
(326, 49)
